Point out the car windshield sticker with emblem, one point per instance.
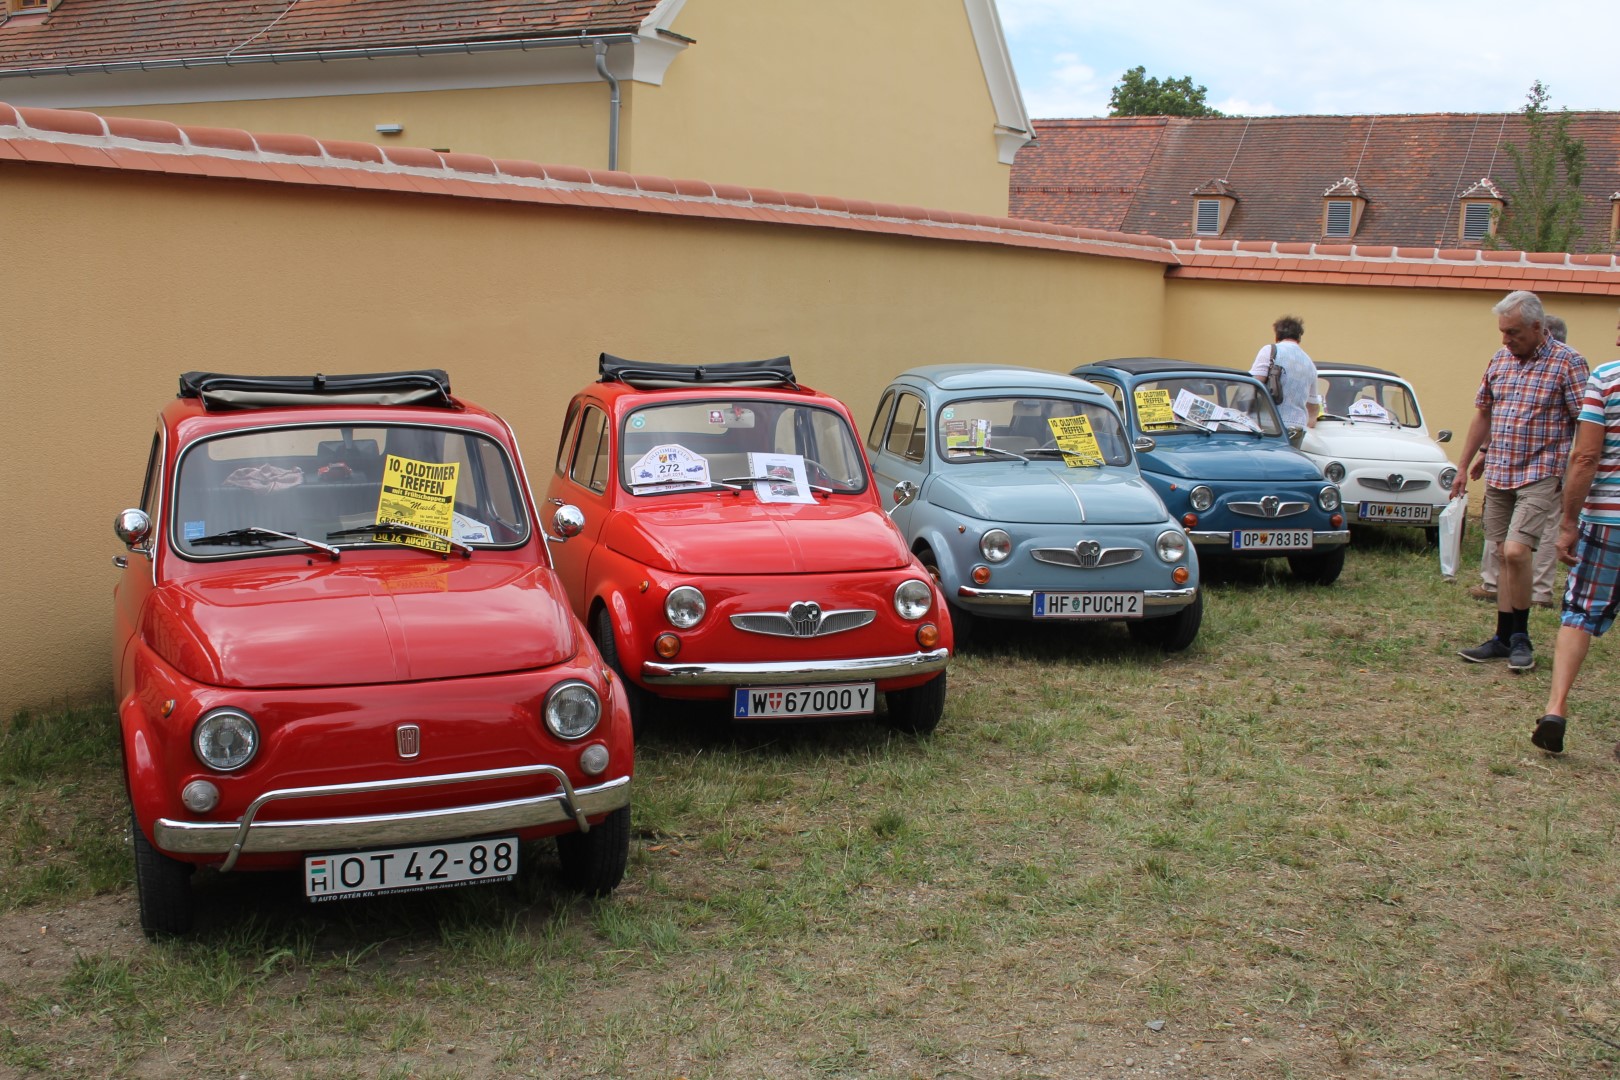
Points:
(1368, 409)
(785, 480)
(1076, 439)
(1153, 409)
(966, 434)
(419, 493)
(671, 467)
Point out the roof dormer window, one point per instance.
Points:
(1614, 218)
(1212, 207)
(1477, 221)
(1342, 205)
(1481, 209)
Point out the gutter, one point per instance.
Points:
(613, 105)
(113, 67)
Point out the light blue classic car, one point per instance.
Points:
(1212, 445)
(1018, 489)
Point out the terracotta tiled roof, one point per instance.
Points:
(96, 31)
(1134, 174)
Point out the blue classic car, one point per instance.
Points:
(1028, 504)
(1210, 442)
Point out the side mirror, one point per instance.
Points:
(1144, 444)
(1444, 436)
(904, 492)
(569, 521)
(134, 528)
(1296, 435)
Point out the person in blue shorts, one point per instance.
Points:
(1589, 541)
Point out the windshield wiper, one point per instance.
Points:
(731, 481)
(985, 450)
(465, 550)
(256, 535)
(1044, 451)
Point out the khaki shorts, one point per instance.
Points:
(1521, 514)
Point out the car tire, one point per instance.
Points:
(593, 862)
(1321, 568)
(637, 698)
(163, 888)
(1172, 633)
(917, 711)
(962, 622)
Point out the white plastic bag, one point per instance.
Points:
(1452, 520)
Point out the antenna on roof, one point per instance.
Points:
(1243, 135)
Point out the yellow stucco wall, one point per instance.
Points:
(559, 123)
(882, 101)
(1438, 339)
(143, 276)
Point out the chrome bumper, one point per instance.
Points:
(248, 836)
(1152, 599)
(775, 674)
(1325, 538)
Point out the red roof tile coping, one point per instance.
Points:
(568, 174)
(8, 116)
(662, 184)
(694, 189)
(414, 157)
(1294, 249)
(1334, 249)
(527, 170)
(799, 199)
(138, 128)
(470, 163)
(732, 193)
(1558, 257)
(1255, 245)
(1363, 252)
(1594, 260)
(1415, 253)
(832, 203)
(214, 138)
(1500, 256)
(613, 178)
(67, 121)
(289, 144)
(767, 197)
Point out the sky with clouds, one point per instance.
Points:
(1270, 57)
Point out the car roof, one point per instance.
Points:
(1150, 365)
(1365, 369)
(997, 377)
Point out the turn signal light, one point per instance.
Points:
(667, 646)
(981, 575)
(928, 635)
(1180, 575)
(1189, 520)
(1338, 521)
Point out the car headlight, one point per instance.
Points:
(1201, 498)
(572, 710)
(225, 739)
(1172, 545)
(913, 599)
(1334, 471)
(684, 607)
(995, 545)
(1448, 476)
(1328, 497)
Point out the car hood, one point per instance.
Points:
(739, 535)
(332, 624)
(1045, 494)
(1371, 442)
(1228, 457)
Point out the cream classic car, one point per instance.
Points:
(1372, 442)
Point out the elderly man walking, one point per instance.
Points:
(1525, 412)
(1590, 545)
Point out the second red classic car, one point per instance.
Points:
(735, 549)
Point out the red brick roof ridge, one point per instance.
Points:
(302, 156)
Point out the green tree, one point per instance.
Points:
(1544, 206)
(1138, 95)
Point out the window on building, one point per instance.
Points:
(1208, 221)
(1340, 213)
(1478, 221)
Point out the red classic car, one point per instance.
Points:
(340, 648)
(734, 548)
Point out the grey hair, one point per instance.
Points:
(1557, 328)
(1526, 305)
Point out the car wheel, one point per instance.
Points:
(593, 862)
(163, 886)
(917, 711)
(637, 698)
(1318, 569)
(961, 621)
(1172, 633)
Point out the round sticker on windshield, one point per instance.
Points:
(638, 421)
(948, 414)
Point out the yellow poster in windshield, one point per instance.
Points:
(419, 493)
(1075, 439)
(1153, 410)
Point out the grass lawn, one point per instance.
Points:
(1316, 844)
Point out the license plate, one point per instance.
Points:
(835, 699)
(409, 869)
(1271, 540)
(1412, 512)
(1088, 605)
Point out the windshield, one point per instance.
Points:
(1171, 405)
(307, 487)
(784, 450)
(1365, 397)
(976, 430)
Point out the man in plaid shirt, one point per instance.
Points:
(1591, 545)
(1525, 413)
